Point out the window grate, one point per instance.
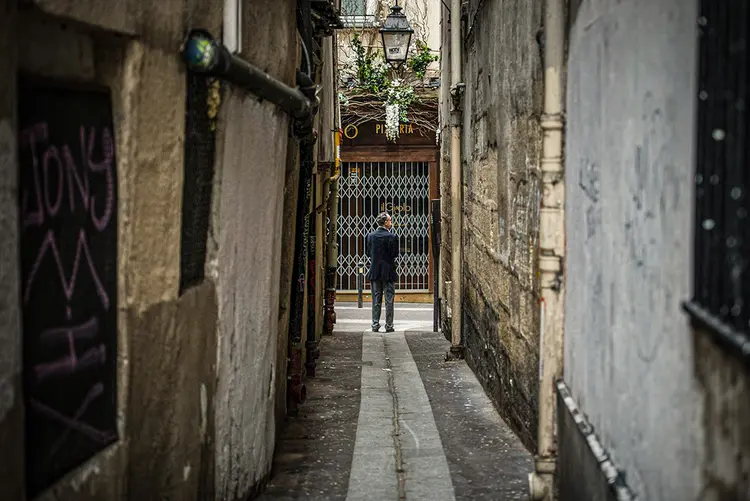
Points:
(403, 190)
(721, 300)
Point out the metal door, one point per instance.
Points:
(403, 190)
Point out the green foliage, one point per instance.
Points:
(372, 76)
(372, 73)
(421, 59)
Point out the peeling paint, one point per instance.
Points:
(84, 473)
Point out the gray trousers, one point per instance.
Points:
(378, 288)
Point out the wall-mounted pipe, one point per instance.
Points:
(457, 88)
(332, 246)
(203, 54)
(551, 251)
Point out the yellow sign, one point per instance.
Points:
(351, 131)
(402, 129)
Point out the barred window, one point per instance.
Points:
(721, 297)
(357, 13)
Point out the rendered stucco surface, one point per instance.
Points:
(629, 352)
(249, 260)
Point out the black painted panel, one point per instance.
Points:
(68, 223)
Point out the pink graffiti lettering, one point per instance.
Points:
(93, 393)
(82, 249)
(70, 172)
(33, 135)
(74, 423)
(49, 155)
(74, 180)
(104, 165)
(87, 330)
(71, 363)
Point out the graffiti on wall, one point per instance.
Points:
(68, 226)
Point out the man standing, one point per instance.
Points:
(382, 247)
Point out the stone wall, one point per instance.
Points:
(444, 266)
(501, 145)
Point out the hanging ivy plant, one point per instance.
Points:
(372, 72)
(421, 59)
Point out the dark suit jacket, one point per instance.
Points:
(382, 247)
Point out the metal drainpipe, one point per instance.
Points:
(456, 180)
(204, 54)
(333, 209)
(333, 248)
(551, 252)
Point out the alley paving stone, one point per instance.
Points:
(387, 418)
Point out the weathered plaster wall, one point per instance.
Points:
(48, 49)
(725, 382)
(248, 227)
(166, 344)
(501, 149)
(629, 354)
(202, 370)
(172, 340)
(249, 217)
(11, 403)
(170, 419)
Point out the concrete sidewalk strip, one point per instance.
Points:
(373, 462)
(425, 473)
(425, 464)
(443, 441)
(356, 325)
(366, 308)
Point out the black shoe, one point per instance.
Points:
(376, 330)
(390, 329)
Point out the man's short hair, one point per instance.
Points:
(381, 219)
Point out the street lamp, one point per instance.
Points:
(396, 34)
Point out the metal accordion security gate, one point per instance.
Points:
(402, 189)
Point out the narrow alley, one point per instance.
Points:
(388, 418)
(206, 204)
